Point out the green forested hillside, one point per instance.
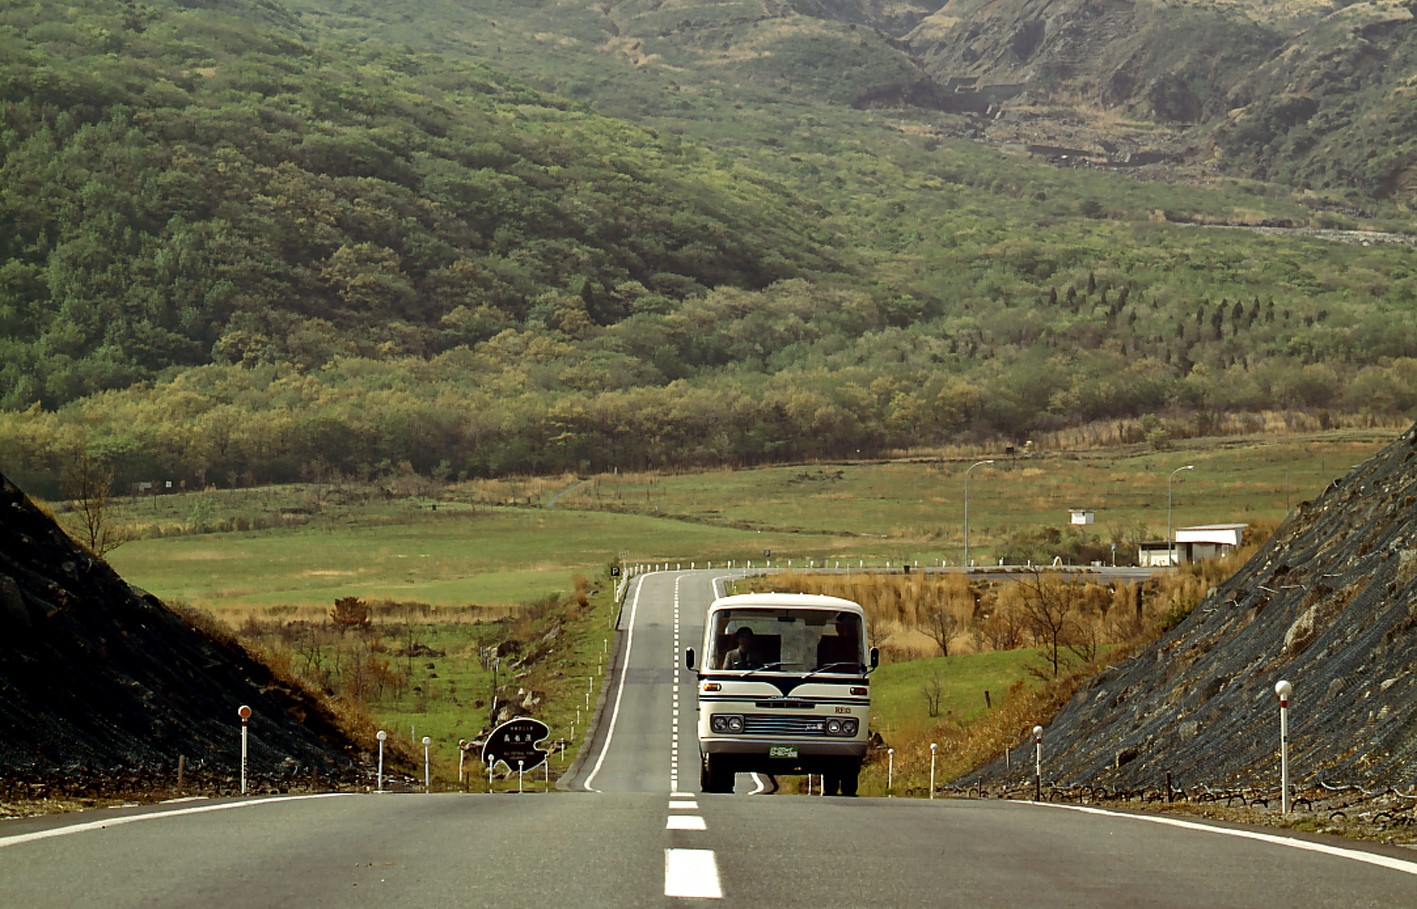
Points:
(188, 186)
(242, 247)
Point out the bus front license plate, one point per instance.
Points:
(783, 751)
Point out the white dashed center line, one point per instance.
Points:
(691, 873)
(688, 873)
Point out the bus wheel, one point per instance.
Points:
(714, 776)
(849, 778)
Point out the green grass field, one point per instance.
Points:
(493, 557)
(914, 510)
(877, 512)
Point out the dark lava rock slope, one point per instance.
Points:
(1329, 604)
(97, 678)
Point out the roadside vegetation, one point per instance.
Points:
(450, 674)
(435, 578)
(972, 665)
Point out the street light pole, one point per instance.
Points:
(966, 507)
(1170, 547)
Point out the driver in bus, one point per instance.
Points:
(739, 658)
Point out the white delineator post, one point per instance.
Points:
(427, 772)
(933, 748)
(381, 737)
(1283, 689)
(1038, 763)
(462, 753)
(890, 770)
(245, 713)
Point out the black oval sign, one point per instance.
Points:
(516, 740)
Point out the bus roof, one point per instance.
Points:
(787, 601)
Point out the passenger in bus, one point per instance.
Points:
(841, 647)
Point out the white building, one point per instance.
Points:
(1082, 516)
(1193, 544)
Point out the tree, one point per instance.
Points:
(350, 612)
(89, 487)
(932, 689)
(941, 624)
(1048, 607)
(1002, 627)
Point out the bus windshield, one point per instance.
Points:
(787, 640)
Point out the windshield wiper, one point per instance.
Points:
(766, 666)
(831, 666)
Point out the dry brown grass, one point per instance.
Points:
(994, 616)
(510, 490)
(1121, 433)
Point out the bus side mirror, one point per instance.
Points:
(875, 657)
(689, 658)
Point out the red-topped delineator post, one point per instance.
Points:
(245, 713)
(1282, 690)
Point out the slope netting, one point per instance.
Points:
(1329, 604)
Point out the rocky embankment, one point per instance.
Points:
(104, 689)
(1330, 605)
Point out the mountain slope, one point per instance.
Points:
(1330, 604)
(1200, 86)
(186, 186)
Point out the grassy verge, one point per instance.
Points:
(967, 732)
(413, 673)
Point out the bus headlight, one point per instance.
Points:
(726, 722)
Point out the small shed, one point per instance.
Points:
(1208, 541)
(1082, 516)
(1153, 554)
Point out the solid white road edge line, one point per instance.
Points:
(1371, 858)
(157, 816)
(620, 687)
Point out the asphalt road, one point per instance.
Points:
(635, 832)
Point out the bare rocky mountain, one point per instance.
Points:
(1329, 604)
(103, 687)
(1315, 94)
